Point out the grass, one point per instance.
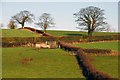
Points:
(107, 64)
(77, 33)
(25, 33)
(66, 33)
(47, 63)
(17, 33)
(101, 45)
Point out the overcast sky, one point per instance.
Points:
(62, 12)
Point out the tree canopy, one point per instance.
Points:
(45, 21)
(91, 18)
(22, 17)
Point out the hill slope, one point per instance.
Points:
(26, 33)
(17, 33)
(77, 33)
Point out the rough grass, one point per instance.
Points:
(101, 45)
(107, 64)
(47, 63)
(17, 33)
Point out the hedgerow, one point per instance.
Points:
(89, 71)
(70, 47)
(20, 41)
(66, 39)
(97, 51)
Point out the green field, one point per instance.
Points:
(25, 33)
(47, 63)
(76, 33)
(107, 64)
(54, 63)
(50, 63)
(101, 45)
(17, 33)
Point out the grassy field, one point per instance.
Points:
(25, 33)
(46, 63)
(76, 33)
(17, 33)
(50, 63)
(107, 64)
(101, 45)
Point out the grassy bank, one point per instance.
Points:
(18, 33)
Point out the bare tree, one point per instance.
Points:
(45, 21)
(12, 25)
(22, 17)
(91, 18)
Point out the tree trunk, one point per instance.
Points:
(45, 29)
(22, 25)
(89, 33)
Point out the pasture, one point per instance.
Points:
(46, 63)
(50, 63)
(107, 64)
(27, 62)
(77, 33)
(101, 45)
(26, 33)
(18, 33)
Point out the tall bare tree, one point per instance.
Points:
(91, 18)
(22, 17)
(12, 25)
(45, 21)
